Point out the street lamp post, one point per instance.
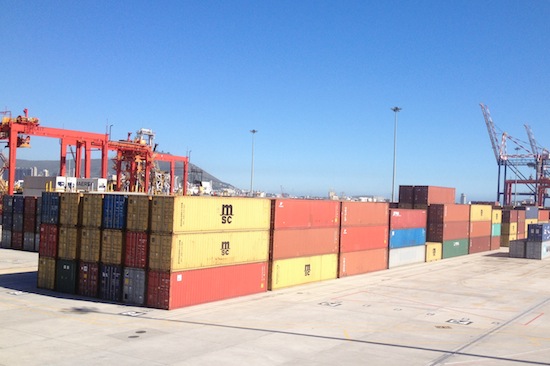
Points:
(252, 168)
(395, 110)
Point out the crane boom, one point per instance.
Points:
(492, 132)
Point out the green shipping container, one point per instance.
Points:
(455, 248)
(496, 230)
(65, 276)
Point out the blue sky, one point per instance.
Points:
(317, 79)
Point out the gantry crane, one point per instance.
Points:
(532, 157)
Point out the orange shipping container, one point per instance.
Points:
(495, 242)
(296, 213)
(360, 238)
(364, 214)
(426, 195)
(442, 213)
(480, 229)
(365, 261)
(401, 218)
(292, 243)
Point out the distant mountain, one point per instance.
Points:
(196, 174)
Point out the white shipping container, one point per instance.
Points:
(91, 184)
(537, 250)
(407, 255)
(39, 184)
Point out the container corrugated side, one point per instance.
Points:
(480, 229)
(46, 273)
(360, 238)
(18, 204)
(68, 242)
(455, 248)
(527, 223)
(406, 195)
(88, 279)
(29, 225)
(90, 244)
(136, 249)
(401, 218)
(434, 251)
(17, 222)
(481, 213)
(133, 286)
(538, 232)
(299, 271)
(537, 250)
(303, 213)
(507, 229)
(112, 246)
(364, 214)
(50, 208)
(480, 244)
(17, 240)
(48, 240)
(497, 216)
(176, 214)
(292, 243)
(92, 209)
(426, 195)
(66, 275)
(6, 238)
(364, 261)
(509, 216)
(114, 211)
(496, 229)
(179, 289)
(28, 241)
(110, 285)
(495, 242)
(407, 238)
(185, 251)
(447, 231)
(138, 213)
(407, 255)
(69, 208)
(517, 248)
(444, 213)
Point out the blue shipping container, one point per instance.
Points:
(18, 204)
(496, 229)
(114, 211)
(50, 208)
(7, 203)
(401, 238)
(110, 286)
(538, 232)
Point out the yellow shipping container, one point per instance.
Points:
(184, 251)
(69, 208)
(112, 242)
(481, 212)
(46, 273)
(90, 244)
(497, 216)
(197, 214)
(302, 270)
(67, 242)
(92, 208)
(138, 209)
(511, 228)
(529, 222)
(434, 251)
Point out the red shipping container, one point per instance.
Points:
(443, 213)
(426, 195)
(495, 242)
(402, 218)
(16, 240)
(295, 213)
(521, 216)
(364, 213)
(294, 243)
(48, 240)
(480, 229)
(178, 289)
(440, 232)
(359, 238)
(406, 195)
(88, 279)
(29, 223)
(136, 251)
(544, 215)
(354, 263)
(480, 244)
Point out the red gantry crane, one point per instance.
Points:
(135, 160)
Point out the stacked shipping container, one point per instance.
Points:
(538, 241)
(481, 221)
(449, 224)
(407, 238)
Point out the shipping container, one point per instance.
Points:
(521, 216)
(406, 195)
(408, 219)
(7, 220)
(92, 209)
(50, 208)
(17, 222)
(66, 275)
(38, 217)
(496, 229)
(506, 239)
(407, 238)
(17, 240)
(364, 261)
(302, 213)
(185, 251)
(299, 271)
(292, 243)
(440, 232)
(531, 212)
(509, 216)
(18, 204)
(544, 215)
(434, 251)
(136, 249)
(112, 247)
(179, 289)
(495, 242)
(91, 184)
(364, 214)
(6, 238)
(427, 195)
(7, 204)
(69, 208)
(90, 244)
(481, 213)
(517, 248)
(28, 242)
(88, 279)
(67, 244)
(133, 288)
(46, 273)
(537, 250)
(177, 214)
(480, 229)
(29, 224)
(497, 216)
(529, 222)
(110, 285)
(480, 244)
(114, 211)
(407, 255)
(139, 207)
(455, 248)
(361, 238)
(48, 240)
(37, 242)
(509, 228)
(539, 232)
(445, 213)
